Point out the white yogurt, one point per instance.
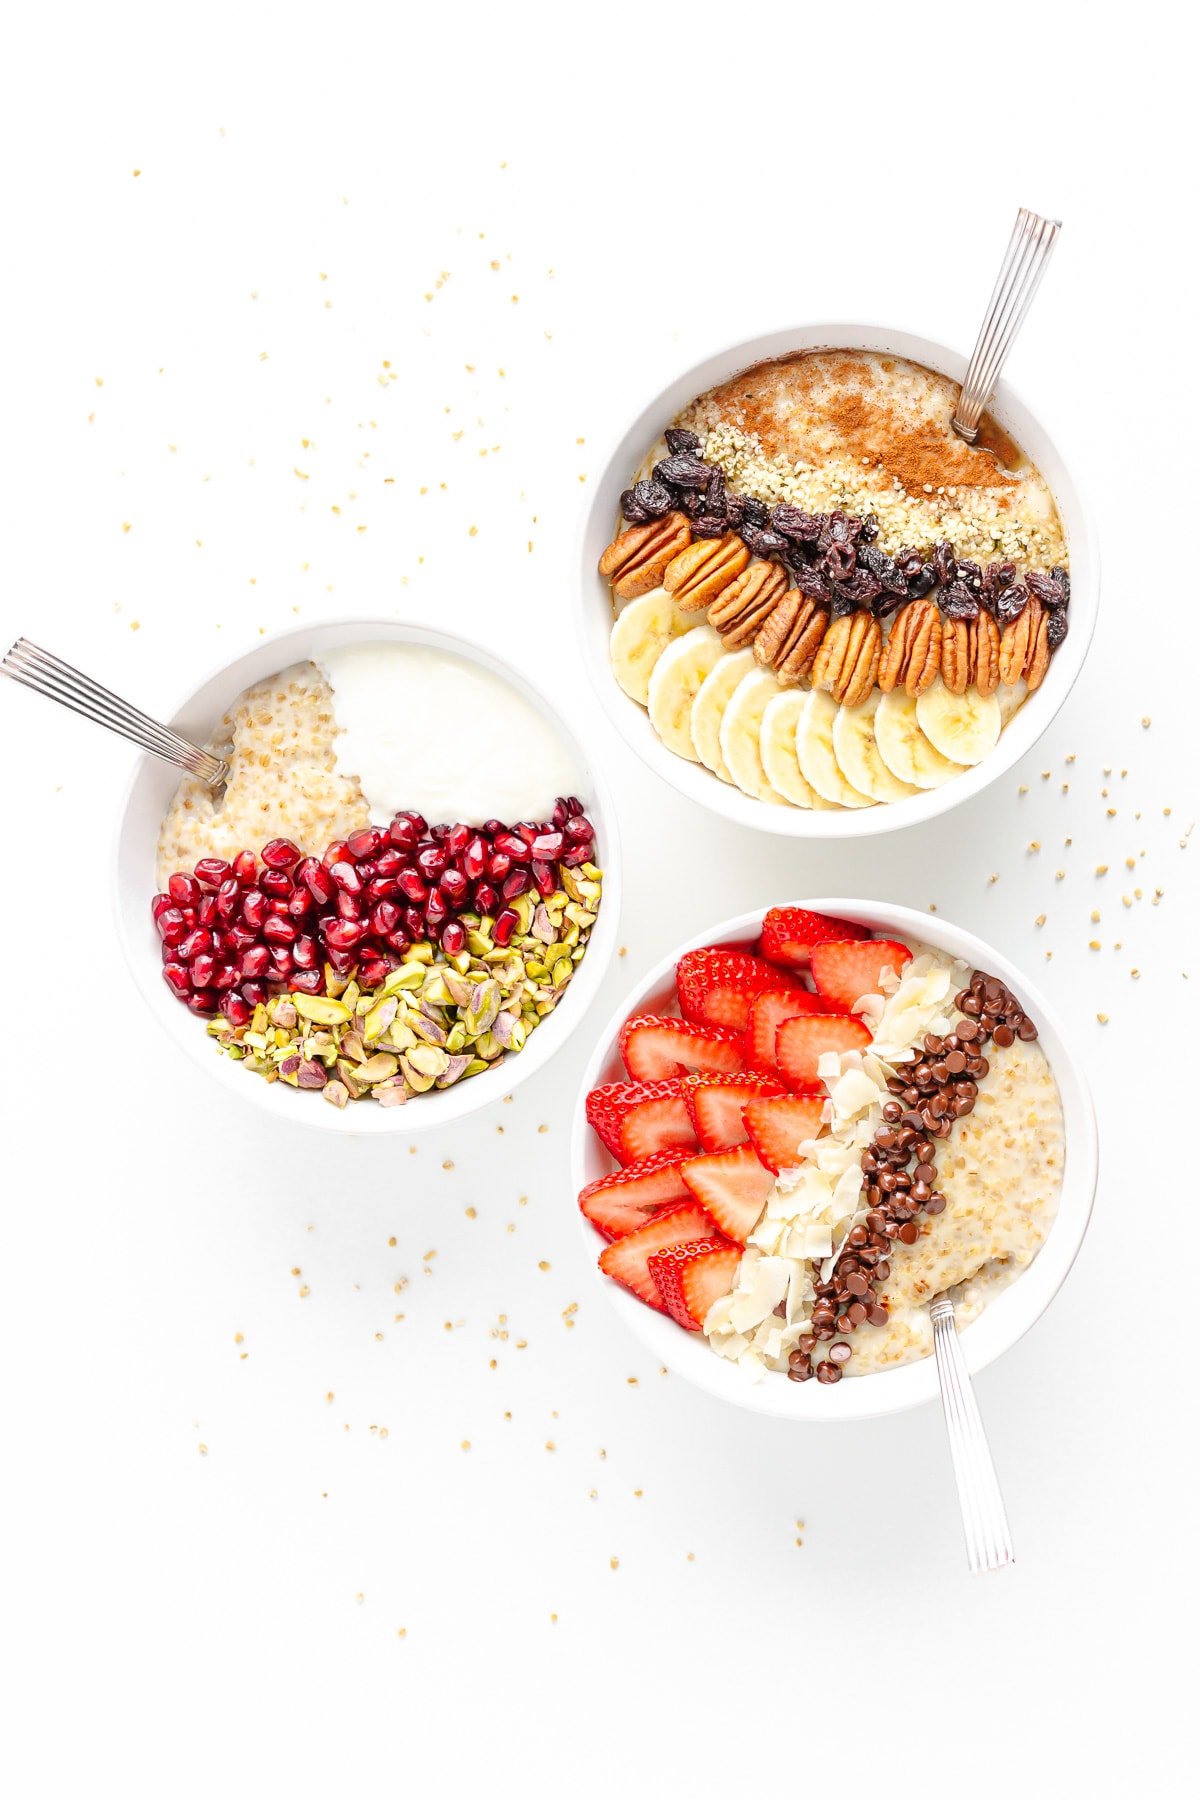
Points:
(431, 733)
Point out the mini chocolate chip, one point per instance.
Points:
(840, 1353)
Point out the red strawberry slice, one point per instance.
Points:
(657, 1049)
(628, 1259)
(715, 1103)
(789, 934)
(732, 1186)
(801, 1041)
(844, 972)
(776, 1127)
(767, 1013)
(662, 1118)
(691, 1278)
(716, 986)
(622, 1201)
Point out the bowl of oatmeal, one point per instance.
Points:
(402, 897)
(811, 607)
(804, 1126)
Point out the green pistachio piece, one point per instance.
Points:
(428, 1060)
(420, 1083)
(379, 1018)
(405, 979)
(322, 1010)
(337, 1093)
(380, 1067)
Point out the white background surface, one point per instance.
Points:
(180, 1622)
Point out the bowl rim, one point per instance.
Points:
(1013, 1311)
(600, 507)
(443, 1107)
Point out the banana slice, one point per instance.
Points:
(904, 747)
(1009, 699)
(675, 680)
(777, 747)
(639, 637)
(815, 754)
(741, 728)
(711, 702)
(858, 754)
(963, 727)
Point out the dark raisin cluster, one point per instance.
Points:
(832, 558)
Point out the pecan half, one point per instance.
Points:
(705, 569)
(956, 655)
(913, 651)
(1025, 648)
(791, 637)
(748, 602)
(848, 660)
(983, 637)
(636, 561)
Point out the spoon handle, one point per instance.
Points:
(985, 1523)
(1024, 264)
(56, 680)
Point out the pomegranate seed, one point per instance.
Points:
(203, 1001)
(171, 925)
(338, 851)
(236, 1010)
(560, 815)
(168, 953)
(348, 907)
(320, 883)
(184, 890)
(457, 839)
(436, 910)
(279, 931)
(342, 961)
(573, 806)
(385, 917)
(513, 845)
(300, 904)
(202, 970)
(547, 846)
(372, 970)
(309, 981)
(499, 865)
(367, 842)
(406, 830)
(475, 859)
(432, 859)
(254, 993)
(504, 927)
(280, 853)
(176, 976)
(398, 941)
(516, 883)
(245, 868)
(224, 977)
(278, 909)
(305, 953)
(275, 883)
(254, 963)
(366, 870)
(281, 963)
(578, 853)
(411, 886)
(225, 946)
(439, 833)
(228, 896)
(382, 888)
(486, 898)
(528, 830)
(196, 943)
(344, 934)
(454, 885)
(347, 877)
(206, 912)
(159, 905)
(255, 907)
(545, 876)
(493, 826)
(211, 871)
(454, 938)
(389, 862)
(580, 830)
(414, 923)
(241, 937)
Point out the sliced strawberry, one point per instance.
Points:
(716, 986)
(776, 1127)
(627, 1260)
(767, 1013)
(622, 1201)
(732, 1186)
(715, 1103)
(657, 1049)
(691, 1278)
(609, 1107)
(789, 934)
(802, 1041)
(844, 972)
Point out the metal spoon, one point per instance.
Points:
(57, 680)
(1024, 264)
(985, 1523)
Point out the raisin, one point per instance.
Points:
(840, 605)
(886, 601)
(811, 584)
(922, 582)
(1057, 626)
(971, 575)
(653, 498)
(709, 525)
(1011, 604)
(690, 502)
(1043, 588)
(958, 602)
(755, 513)
(682, 443)
(801, 527)
(996, 577)
(839, 561)
(632, 508)
(761, 541)
(682, 471)
(909, 563)
(1063, 580)
(714, 497)
(860, 587)
(839, 530)
(870, 529)
(945, 568)
(887, 573)
(735, 510)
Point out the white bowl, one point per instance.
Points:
(146, 801)
(1005, 1319)
(697, 782)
